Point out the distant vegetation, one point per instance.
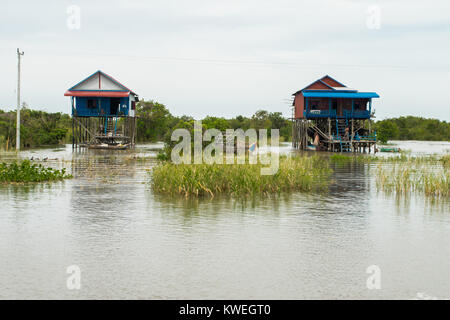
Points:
(38, 128)
(28, 172)
(412, 128)
(156, 123)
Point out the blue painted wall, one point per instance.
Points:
(103, 106)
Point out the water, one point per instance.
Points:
(130, 243)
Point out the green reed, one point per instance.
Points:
(445, 160)
(412, 177)
(294, 174)
(403, 158)
(25, 171)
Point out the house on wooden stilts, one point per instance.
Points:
(103, 113)
(329, 116)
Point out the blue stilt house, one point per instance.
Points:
(103, 112)
(330, 116)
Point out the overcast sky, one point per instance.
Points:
(232, 57)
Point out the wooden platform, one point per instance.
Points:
(109, 147)
(331, 135)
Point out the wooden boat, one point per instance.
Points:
(389, 149)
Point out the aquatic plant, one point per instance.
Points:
(25, 171)
(445, 160)
(402, 158)
(294, 174)
(341, 159)
(407, 177)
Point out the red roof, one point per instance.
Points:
(110, 94)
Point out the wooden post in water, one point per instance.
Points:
(351, 139)
(73, 132)
(329, 133)
(134, 130)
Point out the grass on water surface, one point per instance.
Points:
(404, 174)
(429, 159)
(294, 174)
(405, 178)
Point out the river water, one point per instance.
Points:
(131, 243)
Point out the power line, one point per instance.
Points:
(240, 61)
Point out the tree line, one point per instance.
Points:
(156, 123)
(38, 128)
(412, 128)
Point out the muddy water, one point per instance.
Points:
(131, 243)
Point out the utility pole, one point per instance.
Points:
(18, 100)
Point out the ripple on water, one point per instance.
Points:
(130, 243)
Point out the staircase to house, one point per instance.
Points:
(341, 124)
(345, 145)
(111, 126)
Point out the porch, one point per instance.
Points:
(342, 105)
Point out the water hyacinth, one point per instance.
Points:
(27, 172)
(294, 174)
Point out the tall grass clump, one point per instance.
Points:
(405, 178)
(343, 159)
(294, 174)
(403, 158)
(445, 160)
(340, 158)
(25, 171)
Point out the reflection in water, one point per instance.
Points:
(131, 243)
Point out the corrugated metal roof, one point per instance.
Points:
(106, 75)
(334, 94)
(344, 89)
(110, 94)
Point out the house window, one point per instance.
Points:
(133, 105)
(315, 104)
(91, 104)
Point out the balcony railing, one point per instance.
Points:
(320, 114)
(372, 137)
(96, 113)
(356, 114)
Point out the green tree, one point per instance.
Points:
(387, 131)
(154, 120)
